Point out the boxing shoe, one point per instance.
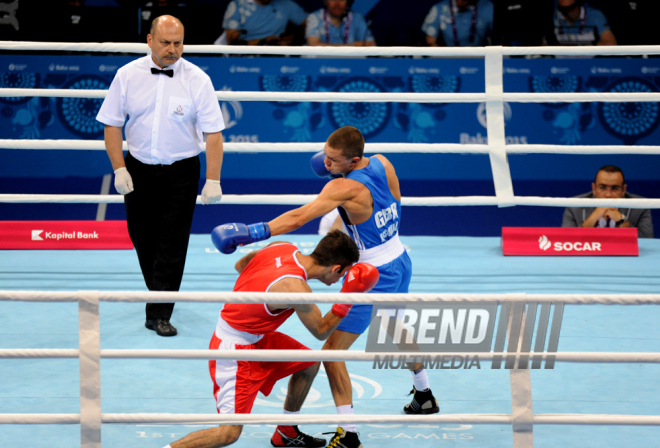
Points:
(162, 327)
(344, 439)
(292, 436)
(423, 402)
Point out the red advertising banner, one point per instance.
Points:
(64, 235)
(569, 241)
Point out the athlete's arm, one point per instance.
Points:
(335, 193)
(320, 326)
(309, 314)
(243, 262)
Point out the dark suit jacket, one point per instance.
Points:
(638, 217)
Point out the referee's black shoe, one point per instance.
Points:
(423, 402)
(162, 327)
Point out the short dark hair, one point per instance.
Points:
(611, 169)
(336, 248)
(349, 140)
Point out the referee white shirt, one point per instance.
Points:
(166, 116)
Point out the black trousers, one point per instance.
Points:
(159, 213)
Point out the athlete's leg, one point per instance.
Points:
(423, 401)
(302, 376)
(342, 391)
(291, 435)
(299, 386)
(340, 382)
(223, 435)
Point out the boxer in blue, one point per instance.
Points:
(366, 192)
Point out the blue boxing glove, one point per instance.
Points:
(318, 166)
(227, 237)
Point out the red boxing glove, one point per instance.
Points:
(360, 278)
(341, 310)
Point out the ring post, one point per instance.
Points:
(90, 369)
(520, 331)
(495, 127)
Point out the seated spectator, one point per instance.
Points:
(459, 23)
(336, 25)
(261, 22)
(522, 22)
(578, 24)
(609, 183)
(403, 29)
(632, 22)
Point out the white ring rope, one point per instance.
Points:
(323, 355)
(367, 97)
(302, 419)
(552, 419)
(581, 149)
(302, 199)
(303, 298)
(618, 50)
(382, 148)
(327, 97)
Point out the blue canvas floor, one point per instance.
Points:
(455, 264)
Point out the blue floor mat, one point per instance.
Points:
(455, 264)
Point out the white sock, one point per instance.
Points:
(167, 446)
(285, 412)
(347, 409)
(420, 379)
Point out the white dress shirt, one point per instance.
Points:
(166, 116)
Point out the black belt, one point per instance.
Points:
(175, 164)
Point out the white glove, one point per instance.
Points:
(123, 181)
(211, 192)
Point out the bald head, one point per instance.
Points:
(166, 40)
(165, 21)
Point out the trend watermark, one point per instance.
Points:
(507, 332)
(427, 361)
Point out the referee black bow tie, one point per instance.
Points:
(169, 73)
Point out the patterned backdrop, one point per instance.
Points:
(282, 121)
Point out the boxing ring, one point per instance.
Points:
(522, 420)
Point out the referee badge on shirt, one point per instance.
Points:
(179, 108)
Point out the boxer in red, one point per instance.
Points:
(279, 267)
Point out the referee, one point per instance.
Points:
(170, 104)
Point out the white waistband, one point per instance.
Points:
(383, 254)
(226, 332)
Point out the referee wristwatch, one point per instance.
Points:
(621, 221)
